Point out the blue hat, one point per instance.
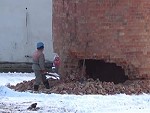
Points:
(40, 44)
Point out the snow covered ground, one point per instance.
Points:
(18, 102)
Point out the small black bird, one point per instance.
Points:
(32, 106)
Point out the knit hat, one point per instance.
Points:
(40, 45)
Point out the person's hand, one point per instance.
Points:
(43, 71)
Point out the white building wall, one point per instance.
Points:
(23, 23)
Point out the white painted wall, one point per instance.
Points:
(21, 29)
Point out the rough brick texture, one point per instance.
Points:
(116, 31)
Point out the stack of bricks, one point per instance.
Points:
(116, 31)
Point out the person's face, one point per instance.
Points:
(43, 49)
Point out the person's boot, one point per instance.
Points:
(46, 84)
(36, 87)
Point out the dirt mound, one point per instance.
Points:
(88, 87)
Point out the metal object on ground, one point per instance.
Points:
(53, 75)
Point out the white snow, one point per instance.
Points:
(18, 102)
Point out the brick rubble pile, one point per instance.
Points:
(88, 87)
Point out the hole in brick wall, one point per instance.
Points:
(108, 72)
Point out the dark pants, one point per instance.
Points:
(39, 77)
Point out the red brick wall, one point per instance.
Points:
(116, 31)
